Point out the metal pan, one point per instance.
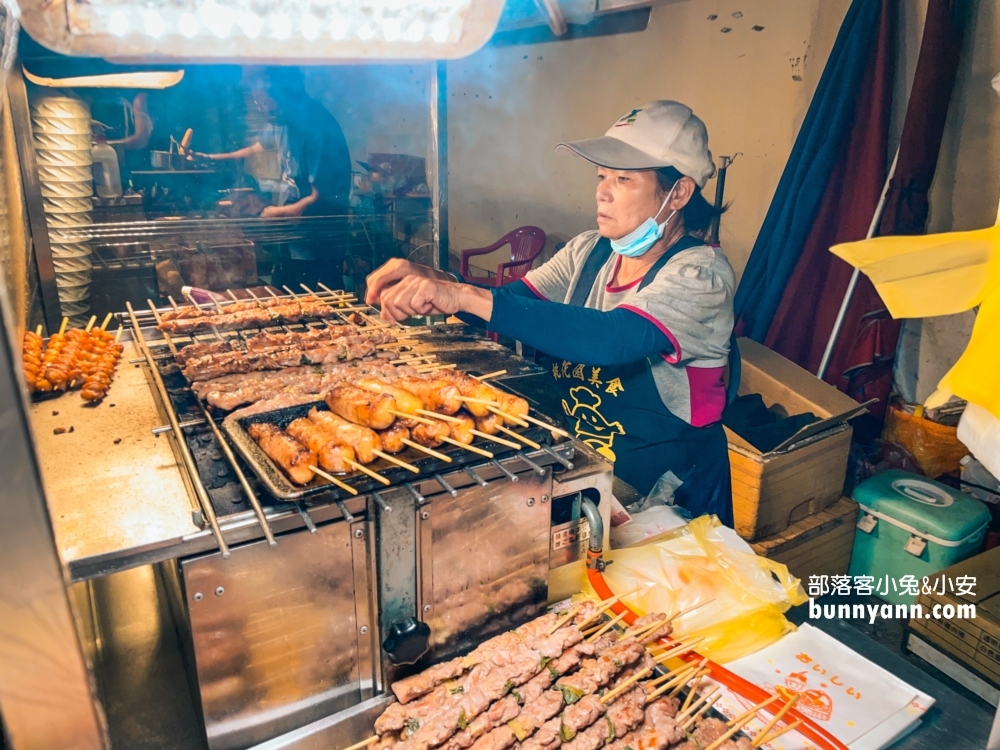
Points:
(164, 160)
(279, 485)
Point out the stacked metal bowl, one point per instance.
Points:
(61, 127)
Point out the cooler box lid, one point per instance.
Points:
(929, 507)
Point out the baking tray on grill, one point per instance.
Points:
(279, 485)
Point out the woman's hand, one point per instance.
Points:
(420, 295)
(394, 270)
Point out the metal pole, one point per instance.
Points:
(846, 302)
(438, 179)
(720, 192)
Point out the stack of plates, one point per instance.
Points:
(61, 127)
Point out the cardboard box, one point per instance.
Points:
(819, 544)
(803, 475)
(973, 642)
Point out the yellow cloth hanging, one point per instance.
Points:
(943, 274)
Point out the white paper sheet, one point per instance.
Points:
(857, 701)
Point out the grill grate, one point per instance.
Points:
(224, 480)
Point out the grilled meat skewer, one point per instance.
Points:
(331, 453)
(363, 407)
(293, 457)
(362, 439)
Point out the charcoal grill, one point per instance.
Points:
(460, 550)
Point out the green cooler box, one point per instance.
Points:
(911, 525)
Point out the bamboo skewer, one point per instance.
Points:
(371, 321)
(404, 415)
(527, 441)
(472, 400)
(434, 368)
(489, 375)
(62, 326)
(696, 684)
(495, 439)
(333, 293)
(399, 462)
(777, 717)
(625, 685)
(692, 710)
(38, 330)
(562, 620)
(442, 417)
(428, 451)
(753, 711)
(680, 648)
(606, 627)
(90, 323)
(606, 604)
(775, 735)
(118, 333)
(708, 703)
(474, 449)
(546, 425)
(508, 417)
(729, 733)
(333, 479)
(107, 319)
(364, 743)
(640, 633)
(365, 470)
(679, 678)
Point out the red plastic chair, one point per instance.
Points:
(526, 244)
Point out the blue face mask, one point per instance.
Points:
(639, 240)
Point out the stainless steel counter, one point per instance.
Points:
(112, 486)
(119, 505)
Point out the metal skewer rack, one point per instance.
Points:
(222, 479)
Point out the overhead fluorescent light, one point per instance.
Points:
(290, 31)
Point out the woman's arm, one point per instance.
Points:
(242, 153)
(577, 334)
(292, 209)
(574, 333)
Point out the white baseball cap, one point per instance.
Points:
(657, 135)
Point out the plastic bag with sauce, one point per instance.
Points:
(744, 596)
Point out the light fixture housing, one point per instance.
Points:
(262, 31)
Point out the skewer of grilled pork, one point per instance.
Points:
(288, 453)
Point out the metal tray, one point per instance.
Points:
(279, 485)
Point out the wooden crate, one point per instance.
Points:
(803, 475)
(772, 491)
(819, 544)
(975, 642)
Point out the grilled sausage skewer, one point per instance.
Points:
(293, 457)
(331, 453)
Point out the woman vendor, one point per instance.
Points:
(637, 316)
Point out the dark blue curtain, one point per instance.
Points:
(817, 147)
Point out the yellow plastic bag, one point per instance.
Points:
(943, 274)
(745, 602)
(935, 446)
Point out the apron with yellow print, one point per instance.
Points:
(618, 411)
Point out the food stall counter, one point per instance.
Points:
(137, 502)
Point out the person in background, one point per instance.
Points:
(636, 316)
(311, 178)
